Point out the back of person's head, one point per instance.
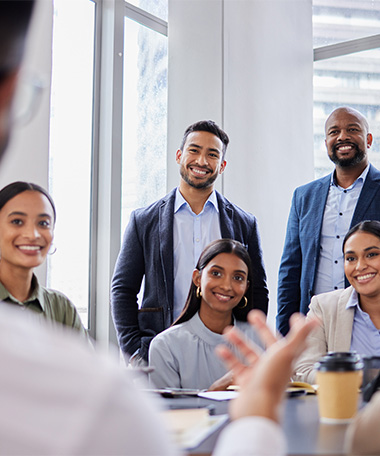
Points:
(193, 301)
(209, 126)
(367, 226)
(15, 188)
(14, 21)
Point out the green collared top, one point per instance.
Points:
(51, 304)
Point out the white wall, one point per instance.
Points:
(27, 156)
(250, 69)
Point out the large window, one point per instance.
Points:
(103, 151)
(144, 117)
(71, 148)
(346, 68)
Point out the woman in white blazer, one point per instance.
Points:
(349, 317)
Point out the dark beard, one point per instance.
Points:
(199, 185)
(347, 162)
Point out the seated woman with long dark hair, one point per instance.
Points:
(27, 218)
(183, 355)
(350, 318)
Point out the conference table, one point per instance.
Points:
(300, 421)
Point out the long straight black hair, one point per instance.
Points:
(193, 303)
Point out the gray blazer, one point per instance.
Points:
(334, 333)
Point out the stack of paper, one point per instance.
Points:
(189, 427)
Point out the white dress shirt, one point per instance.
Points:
(251, 436)
(60, 398)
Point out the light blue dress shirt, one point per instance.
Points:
(191, 233)
(365, 338)
(339, 210)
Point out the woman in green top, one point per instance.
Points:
(27, 218)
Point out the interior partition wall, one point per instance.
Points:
(249, 66)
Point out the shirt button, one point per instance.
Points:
(340, 213)
(338, 237)
(335, 288)
(345, 191)
(336, 261)
(197, 240)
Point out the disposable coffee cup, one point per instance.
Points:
(339, 375)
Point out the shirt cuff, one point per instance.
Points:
(252, 436)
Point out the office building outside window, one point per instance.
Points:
(346, 68)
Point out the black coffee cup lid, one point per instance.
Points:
(339, 362)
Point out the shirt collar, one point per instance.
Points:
(361, 178)
(180, 201)
(353, 300)
(36, 295)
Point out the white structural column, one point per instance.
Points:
(195, 78)
(261, 52)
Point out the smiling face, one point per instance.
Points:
(26, 230)
(223, 283)
(362, 263)
(347, 138)
(201, 159)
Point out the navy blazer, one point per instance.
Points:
(300, 257)
(147, 253)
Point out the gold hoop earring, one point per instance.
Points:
(245, 303)
(199, 293)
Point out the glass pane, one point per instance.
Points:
(352, 80)
(343, 20)
(144, 117)
(158, 8)
(70, 148)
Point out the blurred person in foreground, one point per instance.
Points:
(57, 397)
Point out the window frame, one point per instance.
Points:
(106, 182)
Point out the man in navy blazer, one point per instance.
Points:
(160, 242)
(322, 211)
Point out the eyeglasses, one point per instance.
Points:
(27, 99)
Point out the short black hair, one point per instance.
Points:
(15, 17)
(211, 127)
(15, 188)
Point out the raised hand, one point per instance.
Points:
(263, 377)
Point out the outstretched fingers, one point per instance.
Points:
(231, 361)
(248, 351)
(258, 321)
(300, 328)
